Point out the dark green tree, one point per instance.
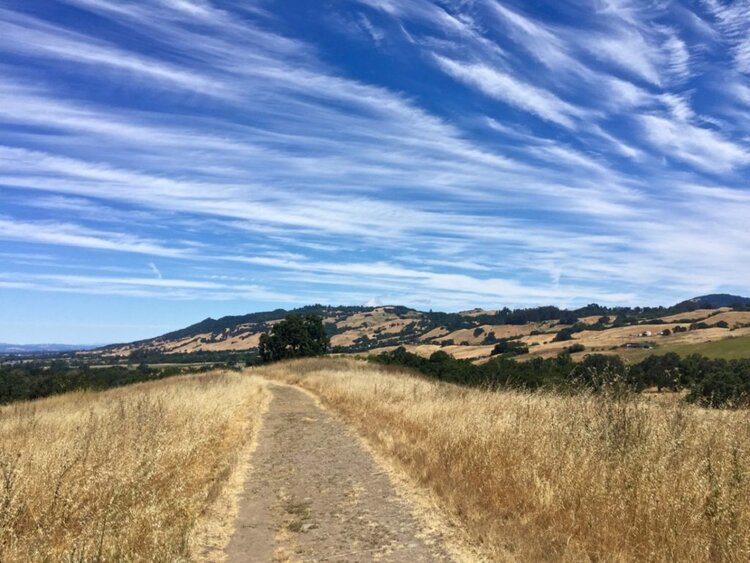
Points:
(663, 371)
(297, 336)
(601, 373)
(510, 348)
(563, 335)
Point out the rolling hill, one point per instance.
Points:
(713, 301)
(544, 331)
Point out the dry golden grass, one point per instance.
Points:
(542, 477)
(501, 331)
(697, 315)
(121, 475)
(426, 350)
(732, 318)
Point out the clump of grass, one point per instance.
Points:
(540, 477)
(121, 475)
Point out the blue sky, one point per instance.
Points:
(166, 160)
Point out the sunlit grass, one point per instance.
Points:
(121, 475)
(539, 477)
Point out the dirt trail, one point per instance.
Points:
(316, 494)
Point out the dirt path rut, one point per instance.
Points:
(316, 494)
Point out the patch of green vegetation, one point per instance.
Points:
(733, 348)
(509, 348)
(35, 380)
(297, 336)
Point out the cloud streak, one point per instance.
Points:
(456, 154)
(66, 234)
(507, 88)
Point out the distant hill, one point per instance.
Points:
(470, 334)
(255, 319)
(712, 301)
(348, 326)
(41, 348)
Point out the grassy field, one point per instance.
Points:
(727, 349)
(542, 477)
(122, 475)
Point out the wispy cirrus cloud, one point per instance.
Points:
(467, 154)
(628, 50)
(66, 234)
(733, 21)
(698, 146)
(155, 270)
(29, 37)
(163, 288)
(505, 87)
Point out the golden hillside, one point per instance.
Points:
(474, 334)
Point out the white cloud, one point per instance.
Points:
(26, 35)
(678, 56)
(540, 41)
(155, 270)
(66, 234)
(177, 289)
(700, 147)
(511, 90)
(290, 158)
(741, 91)
(733, 21)
(627, 95)
(626, 49)
(678, 106)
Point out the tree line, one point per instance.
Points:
(710, 382)
(36, 380)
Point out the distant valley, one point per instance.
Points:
(41, 348)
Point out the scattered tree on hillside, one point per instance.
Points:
(563, 335)
(490, 338)
(297, 336)
(510, 348)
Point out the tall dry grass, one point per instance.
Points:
(542, 477)
(121, 475)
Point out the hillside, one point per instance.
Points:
(713, 301)
(350, 329)
(541, 331)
